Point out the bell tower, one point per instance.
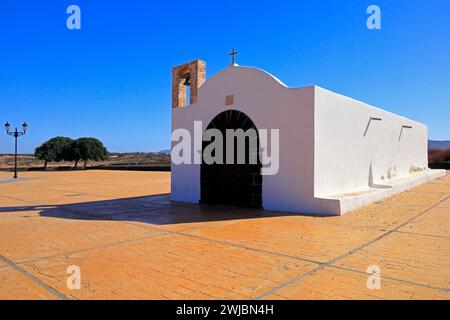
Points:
(191, 74)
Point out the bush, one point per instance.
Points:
(439, 156)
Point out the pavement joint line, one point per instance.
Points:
(105, 216)
(199, 283)
(423, 234)
(106, 245)
(66, 190)
(12, 181)
(140, 225)
(92, 194)
(17, 199)
(396, 205)
(349, 226)
(392, 279)
(349, 253)
(137, 199)
(65, 179)
(37, 281)
(289, 282)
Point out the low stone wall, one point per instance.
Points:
(444, 165)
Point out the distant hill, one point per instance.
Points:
(440, 145)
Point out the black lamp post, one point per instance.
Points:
(15, 134)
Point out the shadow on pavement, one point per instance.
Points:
(155, 209)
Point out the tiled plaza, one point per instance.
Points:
(131, 242)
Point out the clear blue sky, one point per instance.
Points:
(112, 79)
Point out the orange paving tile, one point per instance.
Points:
(337, 284)
(379, 216)
(132, 242)
(444, 204)
(434, 223)
(16, 286)
(23, 241)
(420, 259)
(291, 236)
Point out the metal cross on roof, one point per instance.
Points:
(233, 54)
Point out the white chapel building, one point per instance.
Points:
(336, 154)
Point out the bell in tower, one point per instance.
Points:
(191, 74)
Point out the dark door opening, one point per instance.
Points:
(232, 184)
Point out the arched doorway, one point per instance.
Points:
(233, 184)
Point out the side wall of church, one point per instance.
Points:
(357, 145)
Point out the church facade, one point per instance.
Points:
(333, 153)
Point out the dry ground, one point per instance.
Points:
(131, 242)
(136, 158)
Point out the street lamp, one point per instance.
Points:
(15, 134)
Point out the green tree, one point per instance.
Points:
(53, 150)
(85, 149)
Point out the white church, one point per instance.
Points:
(335, 154)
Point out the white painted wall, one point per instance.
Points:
(344, 156)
